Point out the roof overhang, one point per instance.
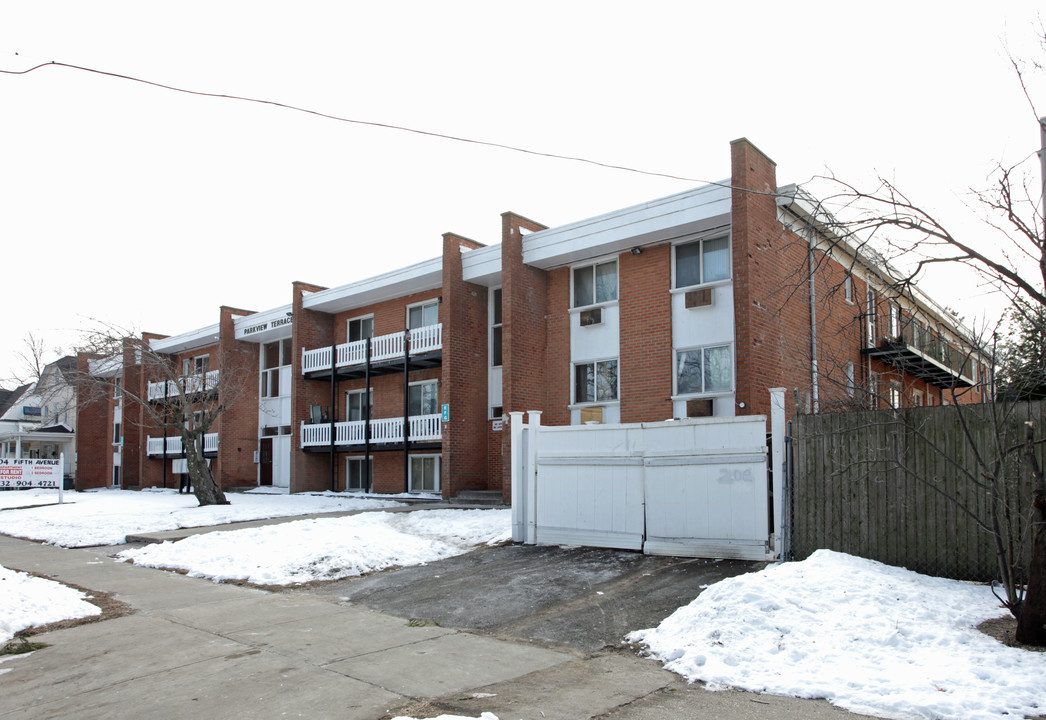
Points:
(427, 275)
(676, 216)
(266, 326)
(482, 266)
(191, 340)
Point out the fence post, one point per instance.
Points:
(777, 432)
(532, 476)
(517, 476)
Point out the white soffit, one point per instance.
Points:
(482, 266)
(186, 341)
(652, 222)
(427, 275)
(265, 326)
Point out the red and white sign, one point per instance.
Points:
(31, 473)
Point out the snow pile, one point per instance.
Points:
(30, 601)
(328, 548)
(107, 517)
(868, 637)
(483, 716)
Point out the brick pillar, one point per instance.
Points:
(93, 426)
(237, 426)
(524, 307)
(646, 335)
(309, 471)
(465, 371)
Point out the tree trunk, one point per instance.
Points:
(204, 486)
(1031, 621)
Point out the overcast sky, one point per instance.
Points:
(150, 208)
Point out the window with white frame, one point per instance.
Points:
(848, 288)
(702, 261)
(196, 365)
(704, 370)
(895, 320)
(851, 382)
(359, 405)
(595, 284)
(117, 387)
(917, 398)
(423, 398)
(871, 301)
(595, 382)
(423, 314)
(116, 433)
(424, 473)
(895, 395)
(275, 355)
(358, 474)
(495, 327)
(361, 328)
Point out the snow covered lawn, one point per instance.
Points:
(30, 601)
(106, 517)
(328, 548)
(870, 638)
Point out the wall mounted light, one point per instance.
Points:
(637, 251)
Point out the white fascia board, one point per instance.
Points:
(265, 326)
(105, 367)
(427, 275)
(186, 341)
(482, 266)
(652, 222)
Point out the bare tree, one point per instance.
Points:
(185, 404)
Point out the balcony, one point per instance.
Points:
(350, 359)
(923, 354)
(189, 385)
(154, 446)
(385, 431)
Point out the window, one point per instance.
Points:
(496, 412)
(274, 356)
(595, 381)
(595, 283)
(423, 315)
(704, 370)
(117, 387)
(116, 433)
(848, 288)
(495, 327)
(116, 476)
(870, 317)
(361, 328)
(356, 408)
(196, 365)
(702, 261)
(423, 399)
(851, 383)
(895, 320)
(424, 473)
(873, 390)
(359, 474)
(895, 395)
(917, 398)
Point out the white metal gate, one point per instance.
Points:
(696, 488)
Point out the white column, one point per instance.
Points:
(532, 480)
(777, 433)
(517, 474)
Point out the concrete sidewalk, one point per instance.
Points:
(194, 648)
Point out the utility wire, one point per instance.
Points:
(387, 126)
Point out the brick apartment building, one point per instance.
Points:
(690, 305)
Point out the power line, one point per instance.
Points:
(369, 123)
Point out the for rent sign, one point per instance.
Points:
(31, 473)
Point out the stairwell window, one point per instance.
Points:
(704, 370)
(595, 284)
(595, 382)
(702, 261)
(275, 355)
(495, 327)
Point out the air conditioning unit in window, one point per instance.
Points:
(699, 298)
(700, 407)
(592, 317)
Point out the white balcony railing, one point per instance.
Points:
(154, 446)
(189, 385)
(382, 431)
(384, 347)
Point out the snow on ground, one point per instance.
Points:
(328, 548)
(870, 638)
(106, 517)
(30, 601)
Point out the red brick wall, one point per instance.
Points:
(524, 308)
(645, 365)
(237, 426)
(557, 369)
(93, 430)
(308, 471)
(466, 369)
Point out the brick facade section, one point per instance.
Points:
(93, 429)
(311, 329)
(645, 363)
(466, 369)
(237, 426)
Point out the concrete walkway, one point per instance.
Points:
(193, 648)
